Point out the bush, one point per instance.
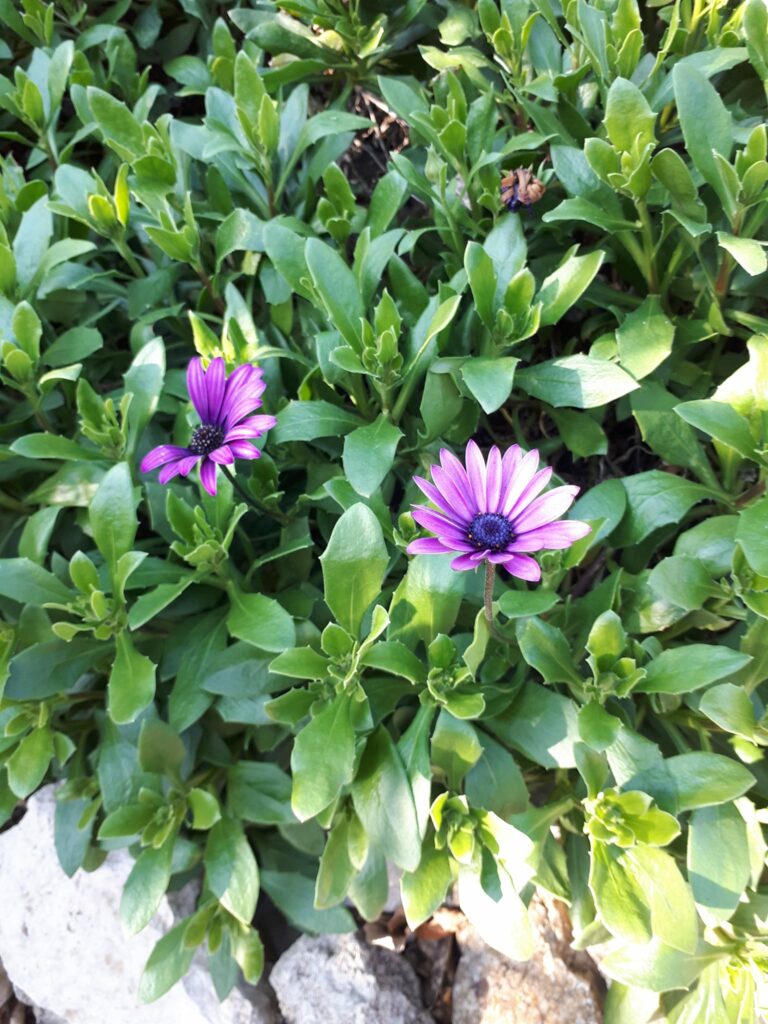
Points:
(260, 688)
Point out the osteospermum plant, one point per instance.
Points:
(225, 405)
(492, 512)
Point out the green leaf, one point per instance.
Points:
(730, 707)
(655, 499)
(354, 564)
(495, 782)
(672, 910)
(752, 535)
(318, 778)
(131, 685)
(541, 724)
(545, 648)
(29, 762)
(112, 514)
(260, 791)
(306, 421)
(482, 281)
(682, 669)
(168, 962)
(645, 338)
(748, 253)
(579, 381)
(580, 433)
(657, 967)
(51, 446)
(336, 285)
(566, 285)
(300, 663)
(161, 749)
(455, 748)
(31, 677)
(336, 870)
(294, 896)
(384, 802)
(706, 123)
(619, 898)
(720, 421)
(260, 620)
(369, 453)
(119, 127)
(500, 915)
(718, 861)
(231, 872)
(489, 380)
(395, 658)
(684, 581)
(28, 583)
(517, 604)
(145, 886)
(698, 779)
(426, 601)
(629, 120)
(424, 889)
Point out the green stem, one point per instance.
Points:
(649, 245)
(254, 503)
(490, 576)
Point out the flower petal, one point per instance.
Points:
(493, 480)
(455, 471)
(509, 463)
(208, 476)
(534, 488)
(464, 562)
(223, 456)
(551, 537)
(197, 389)
(437, 497)
(215, 383)
(477, 473)
(187, 465)
(160, 455)
(179, 467)
(437, 522)
(519, 480)
(243, 450)
(545, 509)
(523, 567)
(255, 426)
(460, 500)
(427, 546)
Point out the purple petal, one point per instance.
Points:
(255, 426)
(436, 522)
(160, 455)
(223, 456)
(476, 473)
(208, 476)
(237, 379)
(455, 471)
(534, 488)
(523, 567)
(243, 450)
(427, 546)
(509, 463)
(519, 480)
(241, 408)
(551, 537)
(545, 509)
(436, 496)
(196, 388)
(464, 562)
(215, 382)
(493, 480)
(187, 465)
(458, 499)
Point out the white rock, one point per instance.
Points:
(64, 947)
(336, 979)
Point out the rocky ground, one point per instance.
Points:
(66, 959)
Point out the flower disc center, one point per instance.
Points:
(490, 530)
(206, 439)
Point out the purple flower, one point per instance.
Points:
(492, 513)
(224, 404)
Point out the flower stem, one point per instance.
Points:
(254, 503)
(490, 576)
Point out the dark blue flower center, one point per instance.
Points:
(490, 530)
(206, 439)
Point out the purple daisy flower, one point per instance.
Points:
(492, 513)
(224, 404)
